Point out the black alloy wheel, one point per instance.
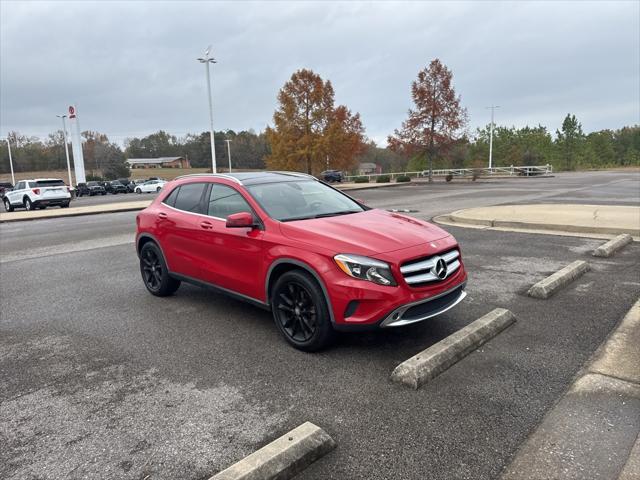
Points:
(300, 311)
(155, 273)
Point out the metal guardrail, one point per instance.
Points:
(526, 171)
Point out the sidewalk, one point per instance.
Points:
(593, 431)
(601, 220)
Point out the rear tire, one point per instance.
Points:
(300, 311)
(7, 205)
(158, 189)
(155, 273)
(64, 205)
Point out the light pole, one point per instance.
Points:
(229, 152)
(492, 107)
(207, 60)
(66, 145)
(13, 178)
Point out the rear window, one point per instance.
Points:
(49, 183)
(189, 197)
(171, 198)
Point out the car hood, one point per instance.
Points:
(369, 232)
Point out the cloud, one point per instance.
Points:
(131, 66)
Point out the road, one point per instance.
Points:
(100, 379)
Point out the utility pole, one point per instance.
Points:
(207, 60)
(492, 107)
(66, 146)
(229, 152)
(13, 178)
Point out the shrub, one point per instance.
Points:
(448, 178)
(94, 178)
(403, 178)
(361, 180)
(383, 179)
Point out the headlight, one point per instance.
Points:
(365, 268)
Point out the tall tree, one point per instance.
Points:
(308, 129)
(570, 140)
(436, 121)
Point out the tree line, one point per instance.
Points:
(310, 134)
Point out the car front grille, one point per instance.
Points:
(426, 270)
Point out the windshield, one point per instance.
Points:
(299, 200)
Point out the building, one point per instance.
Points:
(161, 162)
(368, 168)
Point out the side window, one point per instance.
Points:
(225, 201)
(189, 197)
(20, 186)
(171, 198)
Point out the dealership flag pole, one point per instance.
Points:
(229, 153)
(13, 178)
(207, 60)
(76, 146)
(66, 146)
(492, 107)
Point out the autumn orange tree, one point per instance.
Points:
(309, 132)
(437, 120)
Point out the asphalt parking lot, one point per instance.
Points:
(100, 379)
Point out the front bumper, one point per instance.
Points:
(424, 309)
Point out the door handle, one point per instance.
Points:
(206, 225)
(162, 215)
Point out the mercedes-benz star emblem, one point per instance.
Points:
(440, 268)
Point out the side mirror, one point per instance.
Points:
(240, 220)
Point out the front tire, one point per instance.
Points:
(28, 204)
(138, 191)
(7, 205)
(158, 189)
(155, 273)
(300, 311)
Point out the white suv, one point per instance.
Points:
(38, 193)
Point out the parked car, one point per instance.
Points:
(318, 259)
(150, 186)
(37, 193)
(5, 187)
(90, 188)
(114, 187)
(331, 176)
(125, 182)
(131, 187)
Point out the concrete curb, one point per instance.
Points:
(612, 246)
(284, 457)
(431, 362)
(547, 287)
(70, 212)
(595, 426)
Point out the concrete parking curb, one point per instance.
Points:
(431, 362)
(284, 457)
(547, 287)
(75, 211)
(612, 246)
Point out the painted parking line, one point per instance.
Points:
(284, 457)
(431, 362)
(612, 246)
(550, 285)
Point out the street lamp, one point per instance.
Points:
(13, 178)
(492, 107)
(229, 153)
(66, 145)
(207, 60)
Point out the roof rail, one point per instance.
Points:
(295, 174)
(221, 175)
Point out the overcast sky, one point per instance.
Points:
(131, 69)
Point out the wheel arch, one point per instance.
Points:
(284, 265)
(145, 238)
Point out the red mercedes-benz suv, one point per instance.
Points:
(318, 259)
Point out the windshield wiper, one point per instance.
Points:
(320, 215)
(334, 214)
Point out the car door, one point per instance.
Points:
(230, 258)
(15, 195)
(177, 226)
